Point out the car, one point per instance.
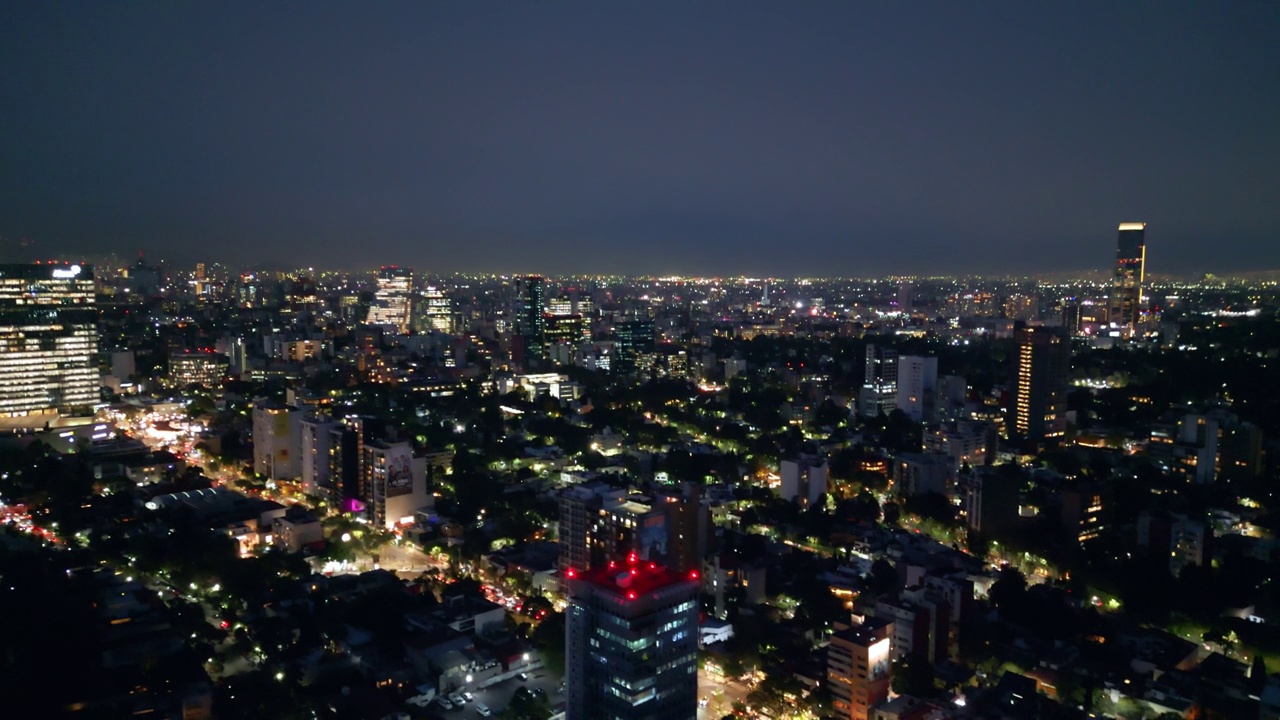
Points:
(444, 703)
(523, 676)
(457, 699)
(483, 709)
(468, 696)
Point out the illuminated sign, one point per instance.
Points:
(70, 272)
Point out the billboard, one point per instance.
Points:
(399, 474)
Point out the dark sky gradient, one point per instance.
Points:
(808, 137)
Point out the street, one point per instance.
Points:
(720, 695)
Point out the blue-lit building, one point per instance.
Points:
(631, 643)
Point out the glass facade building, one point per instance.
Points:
(392, 301)
(48, 339)
(631, 643)
(1126, 285)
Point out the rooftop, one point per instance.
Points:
(632, 578)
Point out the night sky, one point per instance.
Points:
(780, 138)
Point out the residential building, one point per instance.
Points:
(296, 530)
(1040, 382)
(389, 485)
(922, 473)
(993, 496)
(317, 439)
(858, 660)
(917, 394)
(804, 480)
(277, 440)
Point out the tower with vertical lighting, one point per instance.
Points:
(1126, 284)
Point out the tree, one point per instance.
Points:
(526, 705)
(549, 637)
(884, 578)
(1008, 591)
(912, 675)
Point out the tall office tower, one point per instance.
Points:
(858, 667)
(527, 316)
(439, 311)
(631, 645)
(1040, 382)
(277, 440)
(1126, 286)
(392, 302)
(917, 387)
(48, 339)
(879, 390)
(632, 338)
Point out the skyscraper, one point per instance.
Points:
(439, 315)
(48, 339)
(879, 392)
(631, 643)
(1126, 285)
(528, 316)
(392, 302)
(632, 338)
(1040, 382)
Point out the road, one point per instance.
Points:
(720, 695)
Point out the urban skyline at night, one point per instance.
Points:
(526, 360)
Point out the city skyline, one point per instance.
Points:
(829, 139)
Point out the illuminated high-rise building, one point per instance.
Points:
(632, 339)
(1126, 285)
(879, 392)
(392, 302)
(439, 313)
(529, 322)
(48, 339)
(1040, 383)
(631, 644)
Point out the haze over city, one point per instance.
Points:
(769, 139)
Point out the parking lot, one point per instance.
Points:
(496, 697)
